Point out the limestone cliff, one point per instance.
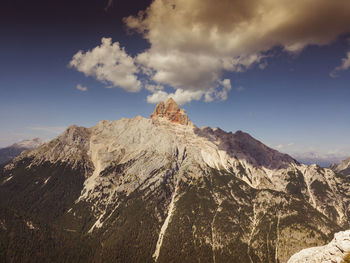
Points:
(171, 111)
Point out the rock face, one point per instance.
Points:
(334, 252)
(164, 190)
(171, 111)
(10, 152)
(343, 167)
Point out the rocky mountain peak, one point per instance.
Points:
(171, 111)
(344, 164)
(104, 180)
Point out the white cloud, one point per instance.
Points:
(172, 68)
(81, 87)
(180, 96)
(345, 64)
(263, 65)
(153, 88)
(226, 87)
(194, 42)
(218, 92)
(108, 63)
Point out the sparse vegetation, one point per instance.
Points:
(213, 218)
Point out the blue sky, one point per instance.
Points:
(292, 104)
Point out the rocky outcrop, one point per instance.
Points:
(71, 146)
(334, 252)
(343, 167)
(171, 111)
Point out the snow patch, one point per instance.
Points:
(30, 225)
(165, 226)
(90, 183)
(98, 223)
(45, 182)
(7, 179)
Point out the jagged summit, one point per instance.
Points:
(171, 111)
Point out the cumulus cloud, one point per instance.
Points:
(219, 92)
(193, 42)
(108, 63)
(180, 96)
(263, 65)
(81, 88)
(345, 64)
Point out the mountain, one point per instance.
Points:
(161, 189)
(343, 167)
(10, 152)
(335, 251)
(321, 159)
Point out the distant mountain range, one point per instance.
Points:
(12, 151)
(323, 160)
(161, 189)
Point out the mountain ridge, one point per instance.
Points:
(343, 167)
(163, 190)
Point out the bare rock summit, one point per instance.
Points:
(171, 111)
(334, 252)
